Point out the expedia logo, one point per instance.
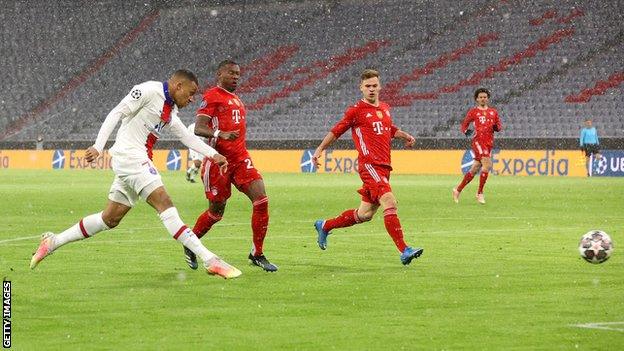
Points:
(344, 164)
(544, 163)
(330, 163)
(4, 161)
(58, 159)
(550, 164)
(174, 160)
(307, 164)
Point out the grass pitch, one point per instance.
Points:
(504, 276)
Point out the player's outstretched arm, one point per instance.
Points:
(464, 127)
(409, 140)
(328, 140)
(202, 129)
(195, 143)
(498, 126)
(201, 126)
(105, 131)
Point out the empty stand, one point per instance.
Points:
(549, 64)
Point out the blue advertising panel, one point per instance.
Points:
(611, 164)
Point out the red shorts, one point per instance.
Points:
(481, 149)
(218, 187)
(376, 181)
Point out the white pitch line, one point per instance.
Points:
(603, 326)
(407, 219)
(19, 239)
(309, 234)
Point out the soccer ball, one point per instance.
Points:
(596, 246)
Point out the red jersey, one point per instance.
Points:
(484, 122)
(227, 114)
(372, 131)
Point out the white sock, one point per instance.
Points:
(180, 232)
(86, 228)
(192, 170)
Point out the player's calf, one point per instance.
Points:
(190, 175)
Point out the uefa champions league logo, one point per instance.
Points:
(467, 161)
(601, 165)
(174, 160)
(58, 159)
(307, 165)
(136, 94)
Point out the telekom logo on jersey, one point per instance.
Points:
(378, 127)
(236, 116)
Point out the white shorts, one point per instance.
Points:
(133, 179)
(195, 156)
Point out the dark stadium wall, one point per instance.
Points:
(421, 144)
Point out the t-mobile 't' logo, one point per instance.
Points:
(378, 127)
(236, 116)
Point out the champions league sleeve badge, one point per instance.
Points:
(136, 94)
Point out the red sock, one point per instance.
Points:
(482, 180)
(393, 226)
(259, 223)
(346, 219)
(467, 178)
(204, 223)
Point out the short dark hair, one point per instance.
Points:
(226, 62)
(369, 73)
(481, 90)
(186, 74)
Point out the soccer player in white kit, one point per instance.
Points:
(145, 112)
(195, 157)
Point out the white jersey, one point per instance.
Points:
(143, 121)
